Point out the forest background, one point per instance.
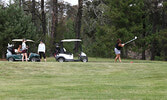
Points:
(99, 23)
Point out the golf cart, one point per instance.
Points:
(13, 55)
(61, 55)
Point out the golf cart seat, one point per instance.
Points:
(63, 50)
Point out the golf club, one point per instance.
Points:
(131, 40)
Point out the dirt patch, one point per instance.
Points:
(3, 60)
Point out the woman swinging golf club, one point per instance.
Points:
(118, 47)
(117, 50)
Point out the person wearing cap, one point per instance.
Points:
(41, 50)
(24, 50)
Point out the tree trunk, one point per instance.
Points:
(78, 24)
(3, 55)
(54, 19)
(43, 17)
(165, 55)
(20, 3)
(164, 26)
(155, 22)
(163, 19)
(23, 1)
(54, 23)
(33, 11)
(144, 54)
(143, 36)
(153, 50)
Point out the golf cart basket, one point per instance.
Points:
(10, 49)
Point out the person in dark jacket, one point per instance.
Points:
(117, 50)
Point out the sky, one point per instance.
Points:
(73, 2)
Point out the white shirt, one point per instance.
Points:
(24, 46)
(41, 47)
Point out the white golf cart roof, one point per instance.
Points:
(71, 40)
(20, 40)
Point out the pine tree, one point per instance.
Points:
(14, 24)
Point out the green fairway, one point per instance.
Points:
(99, 79)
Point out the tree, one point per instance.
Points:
(20, 3)
(93, 14)
(125, 20)
(54, 19)
(33, 11)
(43, 18)
(163, 44)
(154, 9)
(14, 24)
(162, 38)
(78, 24)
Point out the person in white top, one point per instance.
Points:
(24, 50)
(41, 50)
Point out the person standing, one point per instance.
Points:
(24, 50)
(41, 50)
(117, 50)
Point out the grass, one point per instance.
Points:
(99, 79)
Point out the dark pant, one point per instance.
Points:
(42, 54)
(24, 51)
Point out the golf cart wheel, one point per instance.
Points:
(33, 59)
(84, 59)
(61, 60)
(11, 59)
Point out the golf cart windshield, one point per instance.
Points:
(69, 45)
(20, 40)
(71, 40)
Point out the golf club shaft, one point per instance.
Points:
(129, 41)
